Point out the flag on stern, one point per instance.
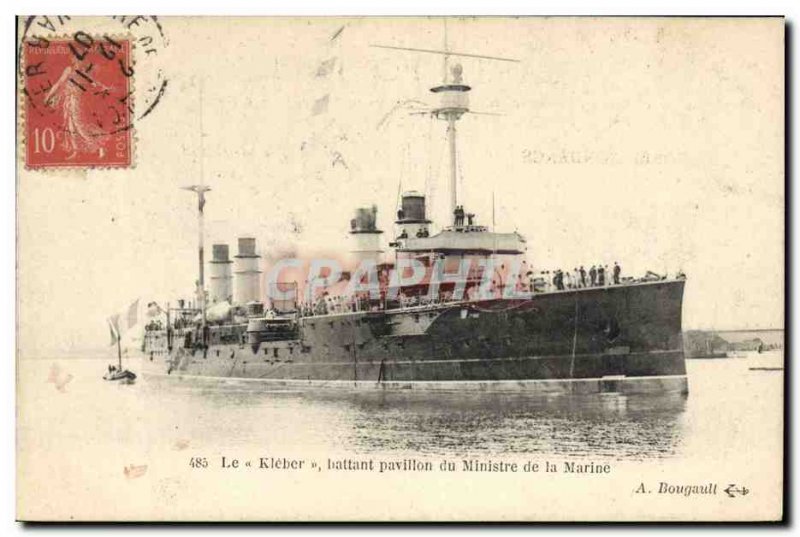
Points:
(118, 324)
(133, 314)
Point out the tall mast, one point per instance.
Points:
(453, 104)
(200, 190)
(451, 142)
(454, 101)
(119, 351)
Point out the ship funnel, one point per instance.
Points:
(413, 205)
(365, 236)
(247, 281)
(411, 218)
(220, 269)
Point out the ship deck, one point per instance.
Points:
(517, 296)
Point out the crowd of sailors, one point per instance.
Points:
(577, 278)
(156, 325)
(546, 281)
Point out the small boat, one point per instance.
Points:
(124, 375)
(116, 373)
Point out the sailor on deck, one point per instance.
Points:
(459, 215)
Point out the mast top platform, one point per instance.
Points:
(454, 96)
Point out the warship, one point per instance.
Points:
(452, 308)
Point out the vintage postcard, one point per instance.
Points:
(400, 269)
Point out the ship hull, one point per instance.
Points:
(624, 338)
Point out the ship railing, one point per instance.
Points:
(424, 303)
(372, 306)
(540, 287)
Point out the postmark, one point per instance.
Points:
(83, 85)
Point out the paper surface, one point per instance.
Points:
(655, 143)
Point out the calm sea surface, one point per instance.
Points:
(729, 405)
(88, 449)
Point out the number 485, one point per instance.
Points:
(198, 462)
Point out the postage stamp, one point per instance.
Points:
(78, 102)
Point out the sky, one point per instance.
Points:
(657, 143)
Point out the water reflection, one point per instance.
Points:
(454, 424)
(609, 425)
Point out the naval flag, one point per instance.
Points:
(133, 314)
(130, 319)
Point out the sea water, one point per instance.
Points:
(77, 430)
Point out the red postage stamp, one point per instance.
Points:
(78, 102)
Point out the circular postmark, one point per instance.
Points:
(84, 83)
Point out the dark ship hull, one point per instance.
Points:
(621, 338)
